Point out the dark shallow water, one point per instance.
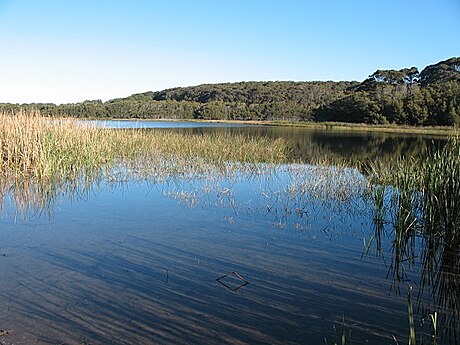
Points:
(137, 263)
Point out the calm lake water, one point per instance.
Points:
(137, 262)
(306, 142)
(162, 124)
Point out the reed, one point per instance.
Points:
(440, 182)
(342, 338)
(424, 217)
(38, 147)
(427, 192)
(42, 157)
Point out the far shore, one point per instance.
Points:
(339, 126)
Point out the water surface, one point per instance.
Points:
(162, 124)
(137, 262)
(307, 143)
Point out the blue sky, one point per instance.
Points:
(70, 51)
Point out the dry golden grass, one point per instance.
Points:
(41, 157)
(38, 147)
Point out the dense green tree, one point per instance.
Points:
(444, 71)
(431, 97)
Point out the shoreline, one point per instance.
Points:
(331, 126)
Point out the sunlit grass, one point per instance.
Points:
(41, 157)
(38, 147)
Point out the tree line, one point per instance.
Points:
(406, 96)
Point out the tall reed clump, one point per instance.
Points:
(36, 147)
(426, 192)
(424, 215)
(441, 185)
(32, 145)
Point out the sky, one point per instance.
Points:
(70, 51)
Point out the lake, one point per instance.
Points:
(280, 256)
(306, 142)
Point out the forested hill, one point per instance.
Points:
(406, 96)
(258, 92)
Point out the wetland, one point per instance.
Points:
(175, 232)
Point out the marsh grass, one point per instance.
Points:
(40, 147)
(441, 185)
(42, 157)
(426, 193)
(340, 338)
(423, 219)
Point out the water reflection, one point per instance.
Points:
(120, 124)
(310, 144)
(125, 258)
(427, 259)
(129, 266)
